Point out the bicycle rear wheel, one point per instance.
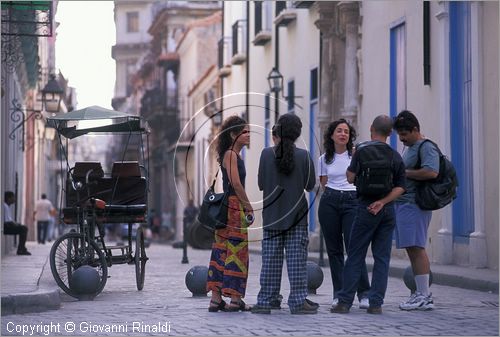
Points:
(72, 251)
(140, 258)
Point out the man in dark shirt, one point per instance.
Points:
(374, 224)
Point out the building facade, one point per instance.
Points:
(28, 147)
(437, 59)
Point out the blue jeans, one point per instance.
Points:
(336, 213)
(377, 230)
(42, 227)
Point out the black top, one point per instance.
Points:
(225, 178)
(284, 202)
(398, 169)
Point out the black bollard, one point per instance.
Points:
(184, 244)
(314, 277)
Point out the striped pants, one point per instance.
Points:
(291, 244)
(228, 269)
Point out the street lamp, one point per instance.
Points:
(52, 95)
(275, 80)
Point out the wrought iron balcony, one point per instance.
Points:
(285, 13)
(263, 22)
(239, 42)
(224, 56)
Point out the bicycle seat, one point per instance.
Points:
(96, 203)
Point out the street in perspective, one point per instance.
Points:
(249, 168)
(166, 303)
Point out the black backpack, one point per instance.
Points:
(436, 193)
(375, 175)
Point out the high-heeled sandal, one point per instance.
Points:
(219, 306)
(238, 306)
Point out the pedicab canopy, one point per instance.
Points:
(96, 119)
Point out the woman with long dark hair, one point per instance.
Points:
(228, 270)
(337, 207)
(285, 171)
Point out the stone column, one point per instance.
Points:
(478, 255)
(349, 19)
(325, 24)
(443, 245)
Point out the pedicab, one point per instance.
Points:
(94, 198)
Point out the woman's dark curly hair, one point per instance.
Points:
(288, 129)
(232, 124)
(330, 145)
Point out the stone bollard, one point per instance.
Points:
(196, 280)
(314, 277)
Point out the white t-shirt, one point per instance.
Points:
(42, 209)
(335, 171)
(7, 215)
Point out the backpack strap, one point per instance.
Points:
(215, 179)
(419, 159)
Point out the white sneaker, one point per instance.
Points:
(418, 301)
(364, 303)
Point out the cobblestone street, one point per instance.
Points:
(165, 303)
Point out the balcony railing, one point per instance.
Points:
(263, 22)
(152, 102)
(224, 56)
(159, 6)
(285, 13)
(239, 42)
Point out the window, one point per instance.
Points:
(280, 6)
(258, 17)
(263, 16)
(291, 96)
(132, 22)
(427, 43)
(239, 41)
(397, 73)
(314, 84)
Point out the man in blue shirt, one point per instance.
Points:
(412, 222)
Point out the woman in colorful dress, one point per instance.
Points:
(228, 270)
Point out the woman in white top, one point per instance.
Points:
(337, 207)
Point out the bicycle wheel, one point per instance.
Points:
(140, 258)
(72, 251)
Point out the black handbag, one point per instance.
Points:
(213, 210)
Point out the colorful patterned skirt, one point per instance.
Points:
(228, 269)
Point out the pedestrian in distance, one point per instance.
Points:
(228, 269)
(412, 222)
(338, 204)
(285, 171)
(42, 215)
(190, 213)
(378, 173)
(10, 227)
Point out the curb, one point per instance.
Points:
(46, 297)
(30, 302)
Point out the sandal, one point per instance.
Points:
(219, 306)
(238, 306)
